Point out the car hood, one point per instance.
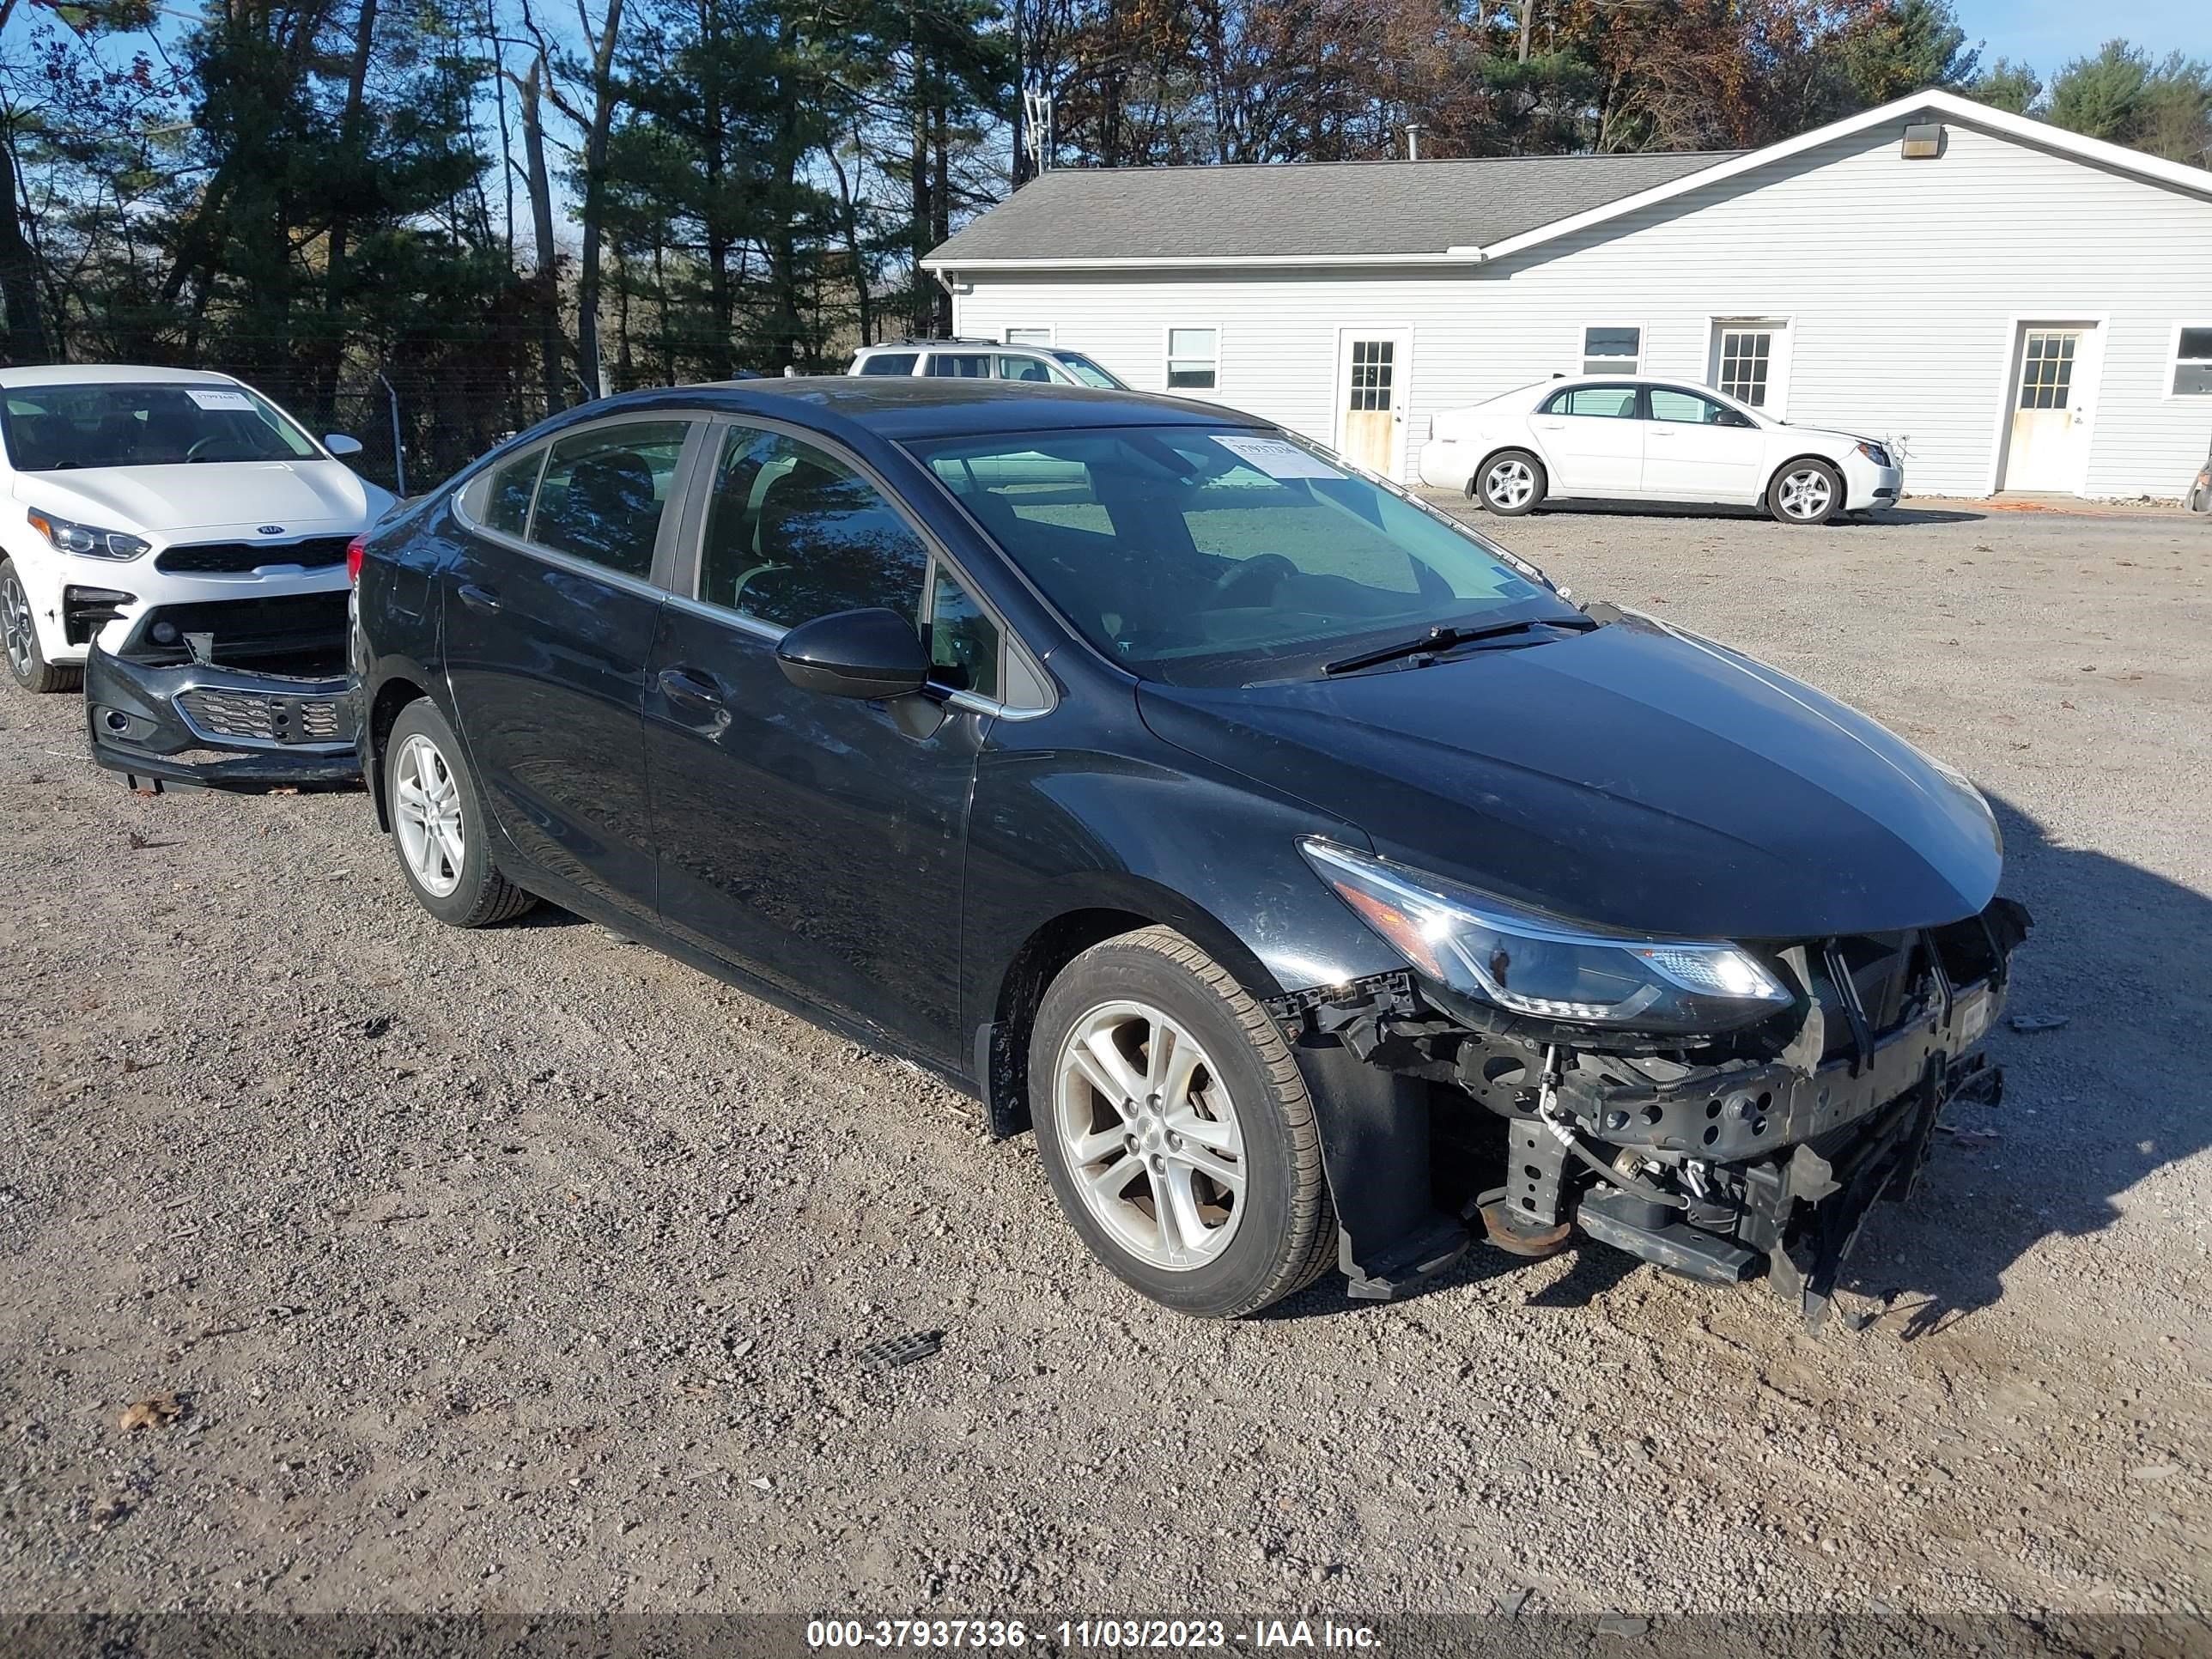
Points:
(1635, 776)
(159, 500)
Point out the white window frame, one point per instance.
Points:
(1784, 328)
(1635, 369)
(1168, 360)
(2174, 360)
(1050, 331)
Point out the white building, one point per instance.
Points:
(2013, 307)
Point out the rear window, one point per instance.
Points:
(889, 362)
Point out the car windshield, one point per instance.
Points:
(52, 429)
(1088, 371)
(1203, 557)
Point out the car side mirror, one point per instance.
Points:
(1730, 417)
(340, 445)
(873, 653)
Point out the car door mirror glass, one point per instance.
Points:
(872, 653)
(340, 445)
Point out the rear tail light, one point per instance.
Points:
(354, 549)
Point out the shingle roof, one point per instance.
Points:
(1302, 209)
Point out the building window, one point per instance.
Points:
(2192, 362)
(1612, 351)
(1194, 358)
(1029, 337)
(1749, 361)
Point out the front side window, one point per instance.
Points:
(963, 640)
(1612, 351)
(53, 427)
(1205, 557)
(1015, 367)
(889, 362)
(1194, 358)
(1613, 403)
(794, 533)
(604, 490)
(960, 365)
(1688, 409)
(2192, 363)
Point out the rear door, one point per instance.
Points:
(1593, 440)
(1696, 448)
(550, 616)
(818, 841)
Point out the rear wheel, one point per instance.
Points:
(19, 641)
(439, 826)
(1175, 1128)
(1806, 492)
(1511, 483)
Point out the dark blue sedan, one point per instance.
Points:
(1321, 884)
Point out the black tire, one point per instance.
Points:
(26, 664)
(481, 894)
(1511, 483)
(1821, 492)
(1285, 1236)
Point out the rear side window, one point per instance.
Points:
(889, 362)
(960, 365)
(506, 499)
(794, 533)
(1611, 402)
(603, 493)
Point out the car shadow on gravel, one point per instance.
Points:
(2092, 1108)
(1882, 519)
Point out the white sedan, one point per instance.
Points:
(1616, 439)
(132, 490)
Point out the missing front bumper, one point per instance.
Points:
(205, 725)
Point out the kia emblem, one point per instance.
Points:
(270, 530)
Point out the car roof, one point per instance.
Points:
(901, 407)
(110, 374)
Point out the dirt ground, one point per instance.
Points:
(525, 1269)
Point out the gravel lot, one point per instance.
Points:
(524, 1269)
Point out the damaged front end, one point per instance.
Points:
(1752, 1148)
(239, 694)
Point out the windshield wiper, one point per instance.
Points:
(1445, 636)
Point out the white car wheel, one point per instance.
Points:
(1806, 492)
(1511, 483)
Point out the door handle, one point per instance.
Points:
(1659, 434)
(479, 599)
(688, 685)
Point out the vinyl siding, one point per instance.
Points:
(1903, 282)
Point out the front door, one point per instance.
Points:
(817, 842)
(549, 614)
(1373, 378)
(1696, 448)
(2048, 445)
(1593, 440)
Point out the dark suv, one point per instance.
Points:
(1307, 872)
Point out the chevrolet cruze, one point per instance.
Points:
(1322, 886)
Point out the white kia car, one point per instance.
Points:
(1612, 438)
(179, 542)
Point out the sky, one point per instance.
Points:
(2046, 34)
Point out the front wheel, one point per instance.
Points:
(439, 826)
(1511, 483)
(1806, 492)
(1175, 1128)
(19, 641)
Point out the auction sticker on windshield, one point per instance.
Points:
(1276, 458)
(218, 400)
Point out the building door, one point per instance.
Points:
(2048, 445)
(1750, 362)
(1372, 378)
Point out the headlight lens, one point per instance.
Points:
(1875, 454)
(87, 541)
(1538, 965)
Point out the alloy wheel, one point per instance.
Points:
(1510, 484)
(17, 636)
(1153, 1145)
(1805, 496)
(427, 816)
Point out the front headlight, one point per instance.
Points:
(1528, 964)
(1875, 454)
(87, 541)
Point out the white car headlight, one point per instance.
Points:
(88, 541)
(1541, 966)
